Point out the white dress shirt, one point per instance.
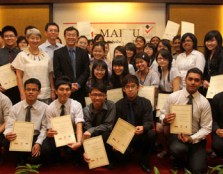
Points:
(5, 106)
(202, 116)
(72, 108)
(185, 62)
(38, 117)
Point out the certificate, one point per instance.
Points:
(121, 135)
(95, 150)
(24, 137)
(149, 93)
(171, 30)
(7, 77)
(187, 27)
(115, 94)
(162, 98)
(215, 86)
(87, 100)
(65, 131)
(183, 120)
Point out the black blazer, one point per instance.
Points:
(62, 66)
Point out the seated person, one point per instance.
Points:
(217, 126)
(99, 116)
(137, 111)
(5, 106)
(64, 105)
(29, 110)
(189, 150)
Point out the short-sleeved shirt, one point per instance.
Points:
(72, 108)
(38, 67)
(152, 79)
(5, 106)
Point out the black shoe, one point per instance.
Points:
(145, 167)
(111, 166)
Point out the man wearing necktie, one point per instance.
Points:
(64, 105)
(29, 110)
(189, 150)
(7, 55)
(137, 111)
(73, 62)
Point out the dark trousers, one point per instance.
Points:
(144, 144)
(54, 154)
(192, 155)
(26, 157)
(217, 145)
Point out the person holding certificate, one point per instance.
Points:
(99, 117)
(29, 110)
(138, 112)
(5, 106)
(189, 149)
(213, 53)
(8, 54)
(64, 105)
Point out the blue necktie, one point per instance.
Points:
(73, 61)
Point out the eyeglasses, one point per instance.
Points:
(31, 89)
(97, 95)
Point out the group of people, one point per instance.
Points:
(53, 80)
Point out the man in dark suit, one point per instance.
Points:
(73, 62)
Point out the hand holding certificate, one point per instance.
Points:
(121, 135)
(215, 86)
(7, 77)
(160, 103)
(65, 131)
(183, 120)
(24, 137)
(95, 150)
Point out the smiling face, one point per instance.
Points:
(188, 44)
(34, 40)
(211, 44)
(118, 69)
(162, 62)
(97, 98)
(71, 38)
(176, 45)
(63, 93)
(139, 43)
(52, 32)
(141, 64)
(9, 39)
(82, 43)
(148, 50)
(98, 52)
(99, 72)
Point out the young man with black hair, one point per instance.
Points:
(29, 110)
(137, 111)
(64, 105)
(189, 150)
(8, 54)
(99, 117)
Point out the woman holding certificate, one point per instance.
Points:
(34, 63)
(213, 52)
(169, 82)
